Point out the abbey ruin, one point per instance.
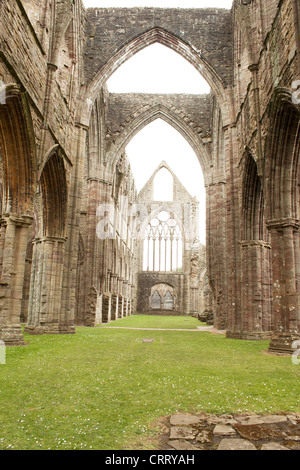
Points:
(78, 244)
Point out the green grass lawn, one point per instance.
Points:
(103, 388)
(157, 321)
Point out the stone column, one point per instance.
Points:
(217, 252)
(286, 287)
(14, 239)
(132, 296)
(228, 296)
(125, 294)
(73, 275)
(255, 292)
(99, 212)
(45, 301)
(120, 297)
(114, 306)
(106, 308)
(127, 307)
(194, 304)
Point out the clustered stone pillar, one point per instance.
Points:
(255, 290)
(13, 247)
(216, 250)
(45, 303)
(286, 283)
(97, 250)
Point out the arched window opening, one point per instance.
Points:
(54, 192)
(163, 244)
(157, 69)
(155, 301)
(163, 186)
(168, 301)
(253, 204)
(162, 297)
(160, 142)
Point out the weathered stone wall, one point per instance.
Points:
(62, 142)
(265, 70)
(207, 30)
(146, 281)
(195, 110)
(38, 164)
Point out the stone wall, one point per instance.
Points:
(62, 149)
(195, 110)
(209, 31)
(38, 164)
(146, 281)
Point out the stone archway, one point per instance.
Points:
(17, 144)
(281, 179)
(162, 297)
(255, 319)
(155, 301)
(169, 303)
(207, 67)
(46, 314)
(170, 117)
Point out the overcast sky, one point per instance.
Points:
(158, 69)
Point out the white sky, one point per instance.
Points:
(158, 69)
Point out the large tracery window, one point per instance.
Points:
(163, 244)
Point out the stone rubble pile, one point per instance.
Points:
(233, 432)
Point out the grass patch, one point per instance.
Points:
(104, 388)
(158, 321)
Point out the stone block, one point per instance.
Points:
(236, 444)
(185, 420)
(183, 432)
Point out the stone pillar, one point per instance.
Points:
(256, 290)
(90, 319)
(120, 306)
(217, 252)
(74, 275)
(106, 308)
(130, 308)
(194, 303)
(45, 301)
(228, 296)
(114, 306)
(133, 299)
(114, 286)
(126, 295)
(120, 285)
(98, 319)
(98, 254)
(286, 286)
(14, 239)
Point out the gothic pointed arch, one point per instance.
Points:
(17, 144)
(145, 39)
(254, 224)
(54, 194)
(62, 11)
(160, 111)
(283, 157)
(282, 185)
